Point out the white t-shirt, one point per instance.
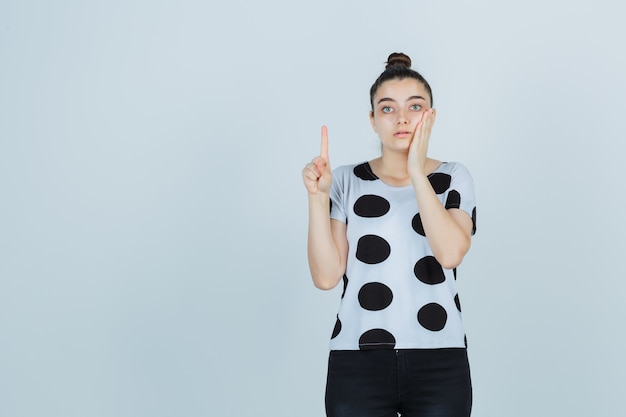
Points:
(396, 295)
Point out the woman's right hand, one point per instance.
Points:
(327, 245)
(317, 175)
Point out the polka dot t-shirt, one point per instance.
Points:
(395, 293)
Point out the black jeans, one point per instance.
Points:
(408, 382)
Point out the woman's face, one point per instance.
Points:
(398, 107)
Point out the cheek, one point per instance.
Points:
(385, 118)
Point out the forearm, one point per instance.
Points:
(325, 262)
(448, 240)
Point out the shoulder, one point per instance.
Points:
(360, 170)
(450, 175)
(454, 169)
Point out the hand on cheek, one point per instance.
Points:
(419, 144)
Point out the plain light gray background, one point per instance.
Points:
(153, 220)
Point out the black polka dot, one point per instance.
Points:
(474, 220)
(345, 285)
(440, 182)
(337, 328)
(429, 271)
(371, 206)
(377, 339)
(375, 296)
(453, 200)
(372, 249)
(330, 203)
(454, 272)
(364, 172)
(432, 317)
(457, 302)
(417, 224)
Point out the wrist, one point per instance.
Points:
(419, 179)
(319, 197)
(417, 176)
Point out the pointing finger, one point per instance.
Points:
(324, 151)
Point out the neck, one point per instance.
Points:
(392, 168)
(393, 164)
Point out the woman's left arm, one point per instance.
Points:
(448, 231)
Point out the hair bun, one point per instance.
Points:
(398, 59)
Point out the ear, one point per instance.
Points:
(372, 121)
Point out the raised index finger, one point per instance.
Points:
(324, 151)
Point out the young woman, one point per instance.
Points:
(394, 229)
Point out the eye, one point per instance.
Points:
(415, 107)
(386, 109)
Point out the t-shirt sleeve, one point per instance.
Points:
(461, 193)
(337, 203)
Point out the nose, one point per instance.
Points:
(402, 117)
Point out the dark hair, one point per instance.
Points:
(398, 68)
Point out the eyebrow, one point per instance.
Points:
(408, 99)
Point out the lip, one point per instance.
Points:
(402, 134)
